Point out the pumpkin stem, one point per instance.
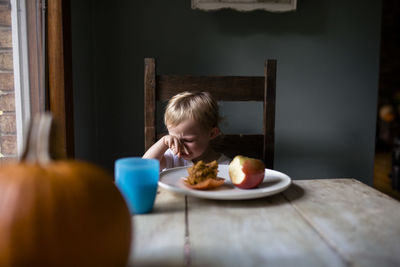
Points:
(36, 149)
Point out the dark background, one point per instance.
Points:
(327, 78)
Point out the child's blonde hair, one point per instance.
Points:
(199, 106)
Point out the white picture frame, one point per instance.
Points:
(246, 5)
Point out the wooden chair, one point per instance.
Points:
(223, 88)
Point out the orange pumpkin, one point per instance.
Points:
(60, 213)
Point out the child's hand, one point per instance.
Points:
(176, 146)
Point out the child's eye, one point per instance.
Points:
(187, 140)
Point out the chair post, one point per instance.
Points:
(149, 102)
(269, 111)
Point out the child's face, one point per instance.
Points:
(195, 138)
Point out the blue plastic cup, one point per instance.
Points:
(137, 179)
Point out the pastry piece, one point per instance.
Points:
(203, 176)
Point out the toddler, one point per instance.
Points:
(192, 122)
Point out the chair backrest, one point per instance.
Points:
(223, 88)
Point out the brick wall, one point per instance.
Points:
(8, 138)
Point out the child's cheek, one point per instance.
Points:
(192, 148)
(189, 145)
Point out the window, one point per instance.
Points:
(25, 86)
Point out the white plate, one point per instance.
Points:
(274, 182)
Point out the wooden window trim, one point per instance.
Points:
(36, 59)
(59, 73)
(50, 69)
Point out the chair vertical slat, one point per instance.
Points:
(149, 102)
(269, 112)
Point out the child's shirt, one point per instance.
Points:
(172, 160)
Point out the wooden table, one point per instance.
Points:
(330, 222)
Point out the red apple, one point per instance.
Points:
(246, 172)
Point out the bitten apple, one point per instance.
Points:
(246, 172)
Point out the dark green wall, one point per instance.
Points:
(327, 52)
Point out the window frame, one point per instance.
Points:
(43, 69)
(21, 69)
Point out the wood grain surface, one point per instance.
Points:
(357, 221)
(328, 222)
(158, 237)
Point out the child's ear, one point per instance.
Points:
(214, 132)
